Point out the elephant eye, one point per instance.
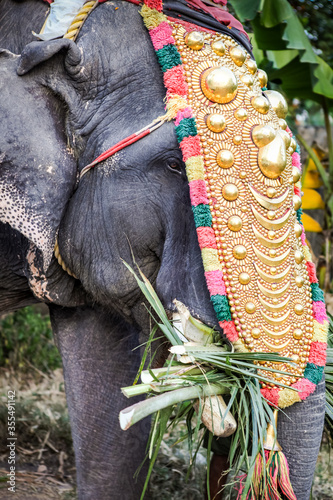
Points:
(174, 166)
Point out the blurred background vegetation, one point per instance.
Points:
(293, 43)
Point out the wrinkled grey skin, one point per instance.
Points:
(69, 103)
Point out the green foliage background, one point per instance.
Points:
(26, 339)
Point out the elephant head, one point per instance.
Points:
(107, 86)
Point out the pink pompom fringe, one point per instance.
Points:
(303, 237)
(312, 272)
(229, 330)
(319, 312)
(198, 194)
(317, 354)
(304, 387)
(297, 191)
(184, 113)
(161, 36)
(206, 237)
(296, 160)
(174, 80)
(190, 146)
(215, 282)
(272, 396)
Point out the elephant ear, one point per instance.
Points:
(37, 170)
(37, 52)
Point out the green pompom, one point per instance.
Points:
(221, 307)
(313, 373)
(299, 215)
(202, 215)
(317, 293)
(168, 57)
(186, 128)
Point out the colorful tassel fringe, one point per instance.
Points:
(275, 484)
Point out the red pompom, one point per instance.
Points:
(312, 272)
(206, 237)
(154, 4)
(230, 330)
(317, 354)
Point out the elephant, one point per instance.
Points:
(62, 104)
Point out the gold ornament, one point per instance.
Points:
(297, 334)
(250, 307)
(255, 332)
(293, 145)
(271, 224)
(194, 40)
(219, 84)
(247, 80)
(244, 278)
(260, 104)
(235, 223)
(238, 55)
(230, 192)
(272, 158)
(277, 278)
(218, 47)
(296, 175)
(262, 75)
(297, 202)
(263, 135)
(216, 122)
(241, 114)
(299, 257)
(283, 124)
(272, 292)
(278, 103)
(269, 203)
(298, 230)
(239, 252)
(237, 139)
(286, 137)
(299, 281)
(299, 309)
(271, 192)
(251, 66)
(225, 158)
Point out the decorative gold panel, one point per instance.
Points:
(249, 178)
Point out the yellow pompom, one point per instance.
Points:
(210, 259)
(151, 17)
(288, 397)
(195, 168)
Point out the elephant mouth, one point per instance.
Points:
(190, 328)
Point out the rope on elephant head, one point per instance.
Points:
(60, 260)
(79, 19)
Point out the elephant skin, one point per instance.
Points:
(63, 104)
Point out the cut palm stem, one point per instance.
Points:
(133, 414)
(189, 349)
